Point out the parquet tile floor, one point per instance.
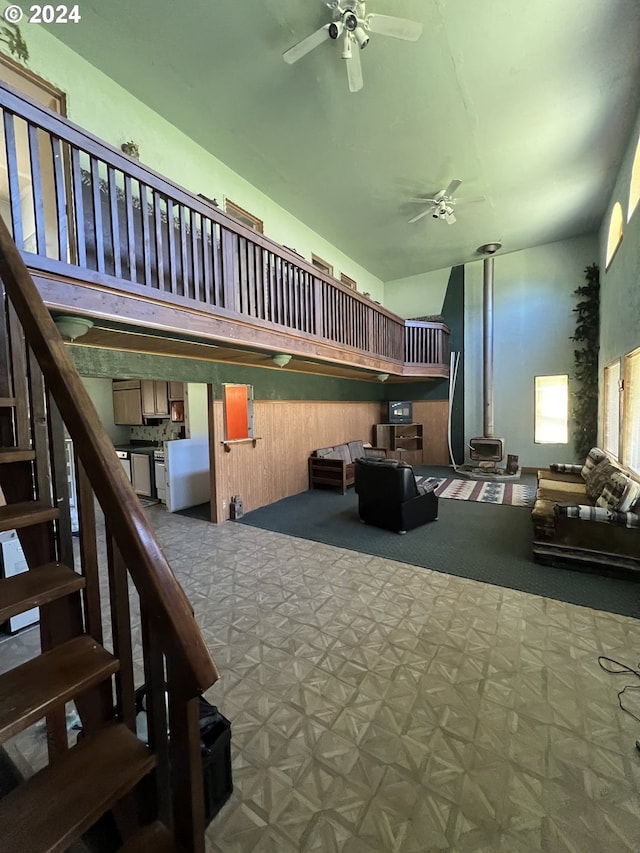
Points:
(376, 706)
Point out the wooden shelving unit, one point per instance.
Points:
(404, 441)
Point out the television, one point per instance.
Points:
(400, 412)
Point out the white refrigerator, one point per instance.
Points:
(187, 472)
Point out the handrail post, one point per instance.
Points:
(186, 762)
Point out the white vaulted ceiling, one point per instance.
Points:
(530, 104)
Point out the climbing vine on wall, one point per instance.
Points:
(11, 36)
(585, 375)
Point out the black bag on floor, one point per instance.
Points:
(215, 749)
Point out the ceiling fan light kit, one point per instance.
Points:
(440, 206)
(351, 23)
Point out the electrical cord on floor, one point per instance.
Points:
(621, 668)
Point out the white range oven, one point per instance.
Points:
(161, 474)
(125, 460)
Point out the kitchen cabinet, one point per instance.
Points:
(141, 473)
(136, 399)
(127, 405)
(155, 398)
(176, 390)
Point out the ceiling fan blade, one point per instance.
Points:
(453, 186)
(420, 215)
(399, 28)
(351, 55)
(423, 200)
(471, 199)
(306, 45)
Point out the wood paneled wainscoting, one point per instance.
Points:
(287, 431)
(432, 414)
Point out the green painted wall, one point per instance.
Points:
(620, 284)
(101, 394)
(533, 323)
(417, 295)
(110, 112)
(450, 304)
(453, 313)
(268, 384)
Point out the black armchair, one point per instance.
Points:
(389, 497)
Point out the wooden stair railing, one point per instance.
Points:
(146, 788)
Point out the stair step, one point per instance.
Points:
(7, 402)
(39, 586)
(16, 454)
(26, 514)
(31, 690)
(57, 805)
(155, 837)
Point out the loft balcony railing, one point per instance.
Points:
(75, 203)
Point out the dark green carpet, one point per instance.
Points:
(480, 541)
(202, 512)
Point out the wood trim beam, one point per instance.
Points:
(99, 299)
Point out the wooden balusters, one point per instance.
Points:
(60, 483)
(216, 257)
(196, 260)
(121, 632)
(426, 343)
(13, 177)
(88, 553)
(130, 223)
(155, 680)
(158, 280)
(131, 240)
(186, 761)
(36, 190)
(61, 224)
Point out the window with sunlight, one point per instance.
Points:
(634, 188)
(551, 410)
(612, 409)
(631, 412)
(614, 238)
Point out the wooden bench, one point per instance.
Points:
(334, 466)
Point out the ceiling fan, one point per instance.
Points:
(353, 25)
(442, 203)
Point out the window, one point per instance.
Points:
(614, 238)
(634, 188)
(44, 93)
(243, 216)
(30, 84)
(612, 408)
(631, 412)
(321, 265)
(551, 410)
(348, 281)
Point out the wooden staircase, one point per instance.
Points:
(153, 792)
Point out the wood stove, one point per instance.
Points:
(486, 449)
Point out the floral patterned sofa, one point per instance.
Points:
(588, 514)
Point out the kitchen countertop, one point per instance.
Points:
(137, 448)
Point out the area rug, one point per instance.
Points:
(512, 494)
(471, 539)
